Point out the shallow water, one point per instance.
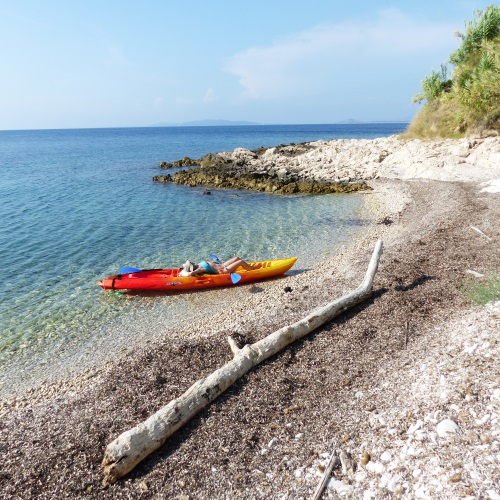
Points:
(79, 204)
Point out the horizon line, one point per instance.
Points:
(193, 124)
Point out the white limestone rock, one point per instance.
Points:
(447, 428)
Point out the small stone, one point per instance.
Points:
(375, 467)
(421, 492)
(386, 457)
(482, 421)
(360, 476)
(455, 478)
(390, 483)
(365, 458)
(446, 428)
(272, 442)
(417, 425)
(340, 487)
(345, 439)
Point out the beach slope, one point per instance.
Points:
(376, 383)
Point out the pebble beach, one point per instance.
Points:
(404, 388)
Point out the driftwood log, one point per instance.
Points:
(132, 446)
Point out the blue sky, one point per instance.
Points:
(107, 63)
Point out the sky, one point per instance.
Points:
(109, 63)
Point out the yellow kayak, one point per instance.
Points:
(169, 279)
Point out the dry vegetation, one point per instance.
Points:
(469, 102)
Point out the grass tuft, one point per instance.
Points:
(484, 291)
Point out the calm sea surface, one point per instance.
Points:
(76, 205)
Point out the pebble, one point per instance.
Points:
(298, 473)
(365, 458)
(482, 421)
(447, 428)
(272, 442)
(390, 483)
(340, 487)
(417, 425)
(375, 467)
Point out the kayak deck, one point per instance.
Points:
(169, 279)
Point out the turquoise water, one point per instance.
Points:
(76, 205)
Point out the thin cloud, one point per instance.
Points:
(329, 51)
(210, 96)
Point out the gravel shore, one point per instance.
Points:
(405, 387)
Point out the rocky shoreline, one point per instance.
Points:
(337, 166)
(375, 385)
(259, 170)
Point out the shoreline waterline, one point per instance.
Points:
(479, 165)
(161, 316)
(80, 204)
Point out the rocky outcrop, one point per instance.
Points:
(185, 162)
(251, 170)
(342, 165)
(269, 182)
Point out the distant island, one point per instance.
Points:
(206, 123)
(229, 123)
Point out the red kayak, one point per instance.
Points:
(169, 279)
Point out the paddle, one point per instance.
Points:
(128, 270)
(234, 277)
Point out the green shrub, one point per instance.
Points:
(484, 27)
(470, 101)
(477, 84)
(434, 86)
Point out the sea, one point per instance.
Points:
(76, 205)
